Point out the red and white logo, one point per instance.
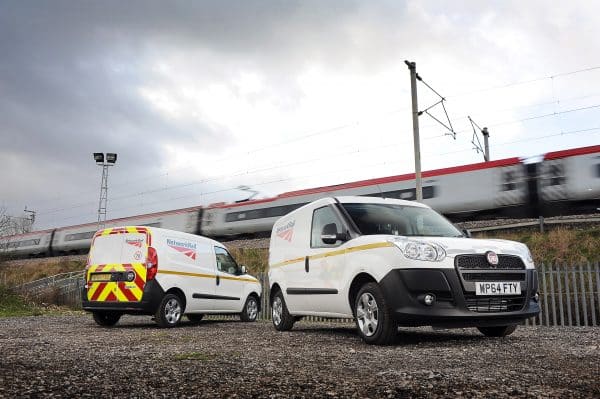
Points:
(286, 231)
(186, 248)
(136, 242)
(492, 258)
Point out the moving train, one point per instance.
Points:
(562, 182)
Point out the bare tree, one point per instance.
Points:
(10, 225)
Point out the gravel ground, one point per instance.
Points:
(69, 356)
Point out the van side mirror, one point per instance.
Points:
(466, 233)
(243, 269)
(330, 235)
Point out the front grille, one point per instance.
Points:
(493, 276)
(481, 304)
(477, 261)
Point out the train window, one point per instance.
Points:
(556, 174)
(24, 243)
(151, 224)
(80, 236)
(509, 181)
(598, 170)
(274, 211)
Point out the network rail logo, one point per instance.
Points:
(286, 231)
(136, 242)
(185, 247)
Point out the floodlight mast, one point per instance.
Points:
(105, 162)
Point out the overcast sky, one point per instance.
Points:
(199, 97)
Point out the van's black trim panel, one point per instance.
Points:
(209, 296)
(311, 291)
(153, 294)
(404, 290)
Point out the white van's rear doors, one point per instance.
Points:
(116, 271)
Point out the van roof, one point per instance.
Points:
(377, 200)
(161, 231)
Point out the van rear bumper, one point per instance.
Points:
(404, 291)
(153, 294)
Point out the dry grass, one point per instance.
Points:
(562, 245)
(255, 259)
(18, 272)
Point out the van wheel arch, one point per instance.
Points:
(180, 294)
(274, 289)
(357, 283)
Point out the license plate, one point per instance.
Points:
(495, 288)
(101, 277)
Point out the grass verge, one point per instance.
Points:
(12, 304)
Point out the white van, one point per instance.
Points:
(165, 273)
(388, 262)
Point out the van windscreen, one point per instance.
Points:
(400, 220)
(118, 248)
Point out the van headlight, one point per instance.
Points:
(420, 250)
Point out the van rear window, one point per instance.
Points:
(118, 248)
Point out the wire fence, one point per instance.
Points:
(569, 294)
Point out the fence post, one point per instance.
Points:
(598, 283)
(583, 297)
(576, 296)
(569, 315)
(560, 296)
(545, 297)
(552, 294)
(592, 301)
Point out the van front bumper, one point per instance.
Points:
(153, 294)
(455, 304)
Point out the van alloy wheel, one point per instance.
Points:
(277, 311)
(282, 319)
(367, 314)
(374, 320)
(172, 311)
(169, 311)
(250, 311)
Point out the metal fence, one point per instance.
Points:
(61, 289)
(569, 294)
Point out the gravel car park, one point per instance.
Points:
(69, 355)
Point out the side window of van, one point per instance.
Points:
(322, 217)
(225, 262)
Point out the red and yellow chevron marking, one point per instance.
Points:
(124, 230)
(116, 291)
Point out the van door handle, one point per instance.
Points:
(306, 267)
(218, 279)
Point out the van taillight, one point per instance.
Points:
(151, 264)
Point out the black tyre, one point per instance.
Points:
(501, 331)
(374, 321)
(250, 311)
(282, 319)
(169, 311)
(106, 319)
(195, 318)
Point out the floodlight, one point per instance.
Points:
(111, 157)
(99, 157)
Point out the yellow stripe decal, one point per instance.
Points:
(251, 280)
(204, 275)
(185, 274)
(336, 253)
